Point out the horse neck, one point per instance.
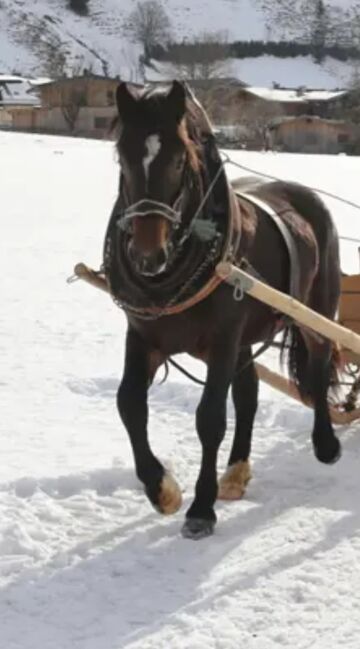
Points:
(217, 207)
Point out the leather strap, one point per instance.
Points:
(287, 237)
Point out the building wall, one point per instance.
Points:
(93, 122)
(312, 136)
(23, 117)
(91, 92)
(5, 118)
(90, 121)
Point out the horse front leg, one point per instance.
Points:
(161, 489)
(245, 385)
(211, 425)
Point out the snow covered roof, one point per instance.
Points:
(277, 121)
(14, 91)
(19, 101)
(40, 81)
(294, 96)
(76, 78)
(11, 78)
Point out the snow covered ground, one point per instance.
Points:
(84, 561)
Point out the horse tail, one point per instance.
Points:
(300, 362)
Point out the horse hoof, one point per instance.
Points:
(233, 483)
(169, 498)
(197, 528)
(330, 453)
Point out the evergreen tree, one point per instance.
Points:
(319, 32)
(80, 7)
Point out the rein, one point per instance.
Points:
(264, 347)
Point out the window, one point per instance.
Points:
(343, 138)
(101, 122)
(110, 97)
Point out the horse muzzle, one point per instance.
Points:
(147, 224)
(150, 263)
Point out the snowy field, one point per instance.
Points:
(85, 563)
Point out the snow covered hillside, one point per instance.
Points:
(267, 70)
(84, 561)
(33, 35)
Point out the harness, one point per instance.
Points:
(294, 284)
(230, 246)
(228, 254)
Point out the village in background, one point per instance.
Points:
(297, 117)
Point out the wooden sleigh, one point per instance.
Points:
(345, 332)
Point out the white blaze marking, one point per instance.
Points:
(153, 146)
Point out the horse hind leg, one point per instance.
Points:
(312, 365)
(232, 484)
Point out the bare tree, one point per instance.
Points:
(309, 21)
(203, 58)
(319, 32)
(257, 119)
(349, 26)
(134, 65)
(46, 44)
(149, 25)
(72, 99)
(54, 59)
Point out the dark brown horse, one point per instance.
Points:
(175, 218)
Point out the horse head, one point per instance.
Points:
(158, 158)
(166, 149)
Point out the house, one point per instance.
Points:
(82, 105)
(312, 134)
(229, 101)
(300, 101)
(14, 98)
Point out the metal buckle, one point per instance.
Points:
(238, 291)
(73, 278)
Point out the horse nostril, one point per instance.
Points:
(131, 251)
(161, 257)
(152, 264)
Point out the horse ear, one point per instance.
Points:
(125, 101)
(176, 100)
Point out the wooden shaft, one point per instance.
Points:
(277, 381)
(288, 305)
(91, 277)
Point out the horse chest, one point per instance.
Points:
(177, 334)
